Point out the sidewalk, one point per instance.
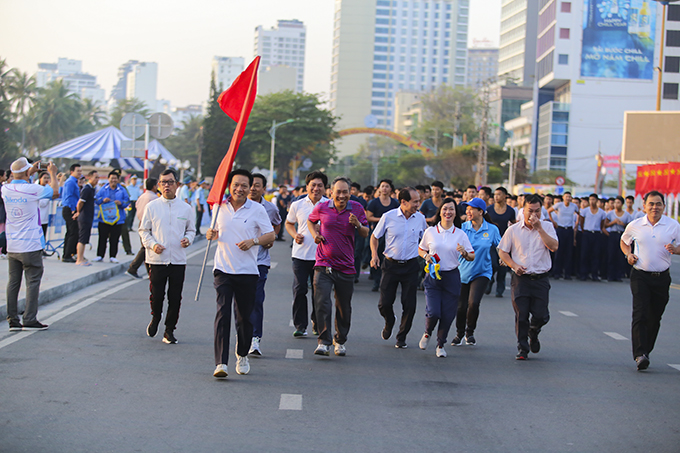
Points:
(60, 279)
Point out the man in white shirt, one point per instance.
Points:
(526, 248)
(656, 238)
(402, 228)
(240, 226)
(25, 239)
(304, 250)
(167, 228)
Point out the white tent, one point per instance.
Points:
(104, 145)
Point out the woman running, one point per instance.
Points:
(443, 244)
(475, 275)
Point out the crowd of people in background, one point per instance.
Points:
(452, 244)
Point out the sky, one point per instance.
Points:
(181, 36)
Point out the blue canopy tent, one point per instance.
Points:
(104, 145)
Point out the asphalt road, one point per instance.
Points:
(95, 382)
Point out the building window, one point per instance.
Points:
(673, 38)
(670, 91)
(672, 64)
(565, 7)
(563, 59)
(674, 13)
(564, 33)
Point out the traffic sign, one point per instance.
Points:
(560, 180)
(133, 125)
(160, 125)
(132, 148)
(307, 163)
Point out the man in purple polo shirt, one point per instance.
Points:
(339, 218)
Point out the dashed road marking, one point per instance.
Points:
(294, 353)
(291, 323)
(274, 264)
(677, 367)
(569, 313)
(615, 336)
(290, 402)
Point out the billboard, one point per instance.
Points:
(650, 137)
(618, 39)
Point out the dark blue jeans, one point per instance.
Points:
(303, 270)
(257, 315)
(441, 303)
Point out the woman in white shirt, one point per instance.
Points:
(45, 204)
(444, 243)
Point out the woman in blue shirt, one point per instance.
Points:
(475, 275)
(111, 219)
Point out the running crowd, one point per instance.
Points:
(453, 245)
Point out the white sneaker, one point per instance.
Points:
(114, 260)
(424, 341)
(322, 349)
(441, 352)
(220, 371)
(340, 349)
(242, 365)
(98, 259)
(255, 347)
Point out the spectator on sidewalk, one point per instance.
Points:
(69, 201)
(144, 199)
(134, 191)
(200, 203)
(85, 216)
(45, 204)
(112, 199)
(25, 240)
(167, 228)
(283, 201)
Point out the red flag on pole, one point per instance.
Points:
(236, 102)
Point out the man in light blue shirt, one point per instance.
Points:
(564, 220)
(403, 228)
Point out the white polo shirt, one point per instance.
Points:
(650, 241)
(299, 213)
(22, 205)
(248, 222)
(526, 247)
(401, 234)
(444, 243)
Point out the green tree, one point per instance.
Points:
(53, 117)
(445, 107)
(185, 143)
(124, 106)
(22, 91)
(8, 152)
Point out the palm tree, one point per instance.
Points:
(54, 116)
(92, 116)
(22, 91)
(124, 106)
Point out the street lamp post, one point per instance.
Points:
(272, 134)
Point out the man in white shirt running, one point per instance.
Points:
(656, 238)
(167, 228)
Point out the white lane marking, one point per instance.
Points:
(290, 402)
(291, 323)
(677, 367)
(294, 353)
(274, 264)
(615, 336)
(569, 313)
(62, 314)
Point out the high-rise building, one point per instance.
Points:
(517, 49)
(383, 46)
(141, 83)
(71, 72)
(226, 69)
(592, 65)
(283, 45)
(482, 65)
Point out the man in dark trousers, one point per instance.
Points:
(69, 202)
(656, 238)
(85, 215)
(167, 228)
(283, 200)
(402, 229)
(525, 248)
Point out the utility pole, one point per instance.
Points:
(483, 137)
(456, 124)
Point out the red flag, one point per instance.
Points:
(236, 102)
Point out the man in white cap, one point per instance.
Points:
(25, 239)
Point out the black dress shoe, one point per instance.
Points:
(642, 362)
(68, 259)
(387, 331)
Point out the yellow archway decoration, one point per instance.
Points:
(408, 141)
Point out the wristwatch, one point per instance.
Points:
(256, 241)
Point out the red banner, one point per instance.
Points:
(236, 102)
(662, 177)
